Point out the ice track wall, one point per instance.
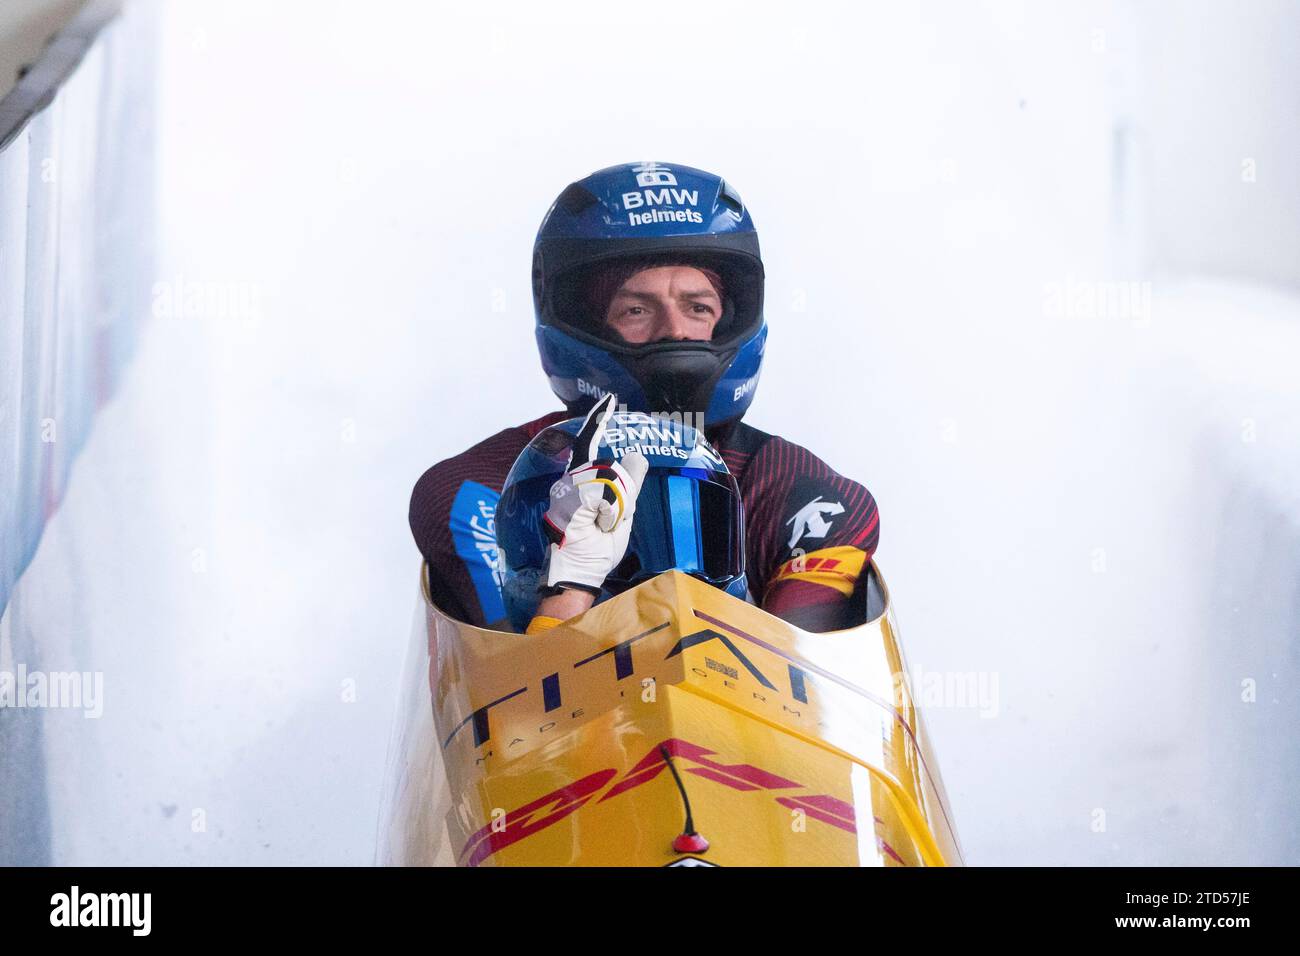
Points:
(76, 228)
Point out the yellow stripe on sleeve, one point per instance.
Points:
(836, 568)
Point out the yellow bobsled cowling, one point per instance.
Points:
(793, 748)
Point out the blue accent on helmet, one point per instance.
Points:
(683, 502)
(656, 213)
(689, 516)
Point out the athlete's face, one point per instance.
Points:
(666, 303)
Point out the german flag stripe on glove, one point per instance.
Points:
(586, 446)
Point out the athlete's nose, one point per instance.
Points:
(675, 326)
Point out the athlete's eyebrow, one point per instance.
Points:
(695, 294)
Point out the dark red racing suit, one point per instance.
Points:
(808, 531)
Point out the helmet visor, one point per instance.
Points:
(689, 520)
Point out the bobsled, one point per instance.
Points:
(672, 725)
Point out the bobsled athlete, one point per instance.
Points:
(648, 286)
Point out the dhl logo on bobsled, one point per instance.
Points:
(517, 825)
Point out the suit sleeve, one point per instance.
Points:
(809, 535)
(453, 520)
(430, 525)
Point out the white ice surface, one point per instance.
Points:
(233, 547)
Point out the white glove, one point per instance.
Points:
(589, 520)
